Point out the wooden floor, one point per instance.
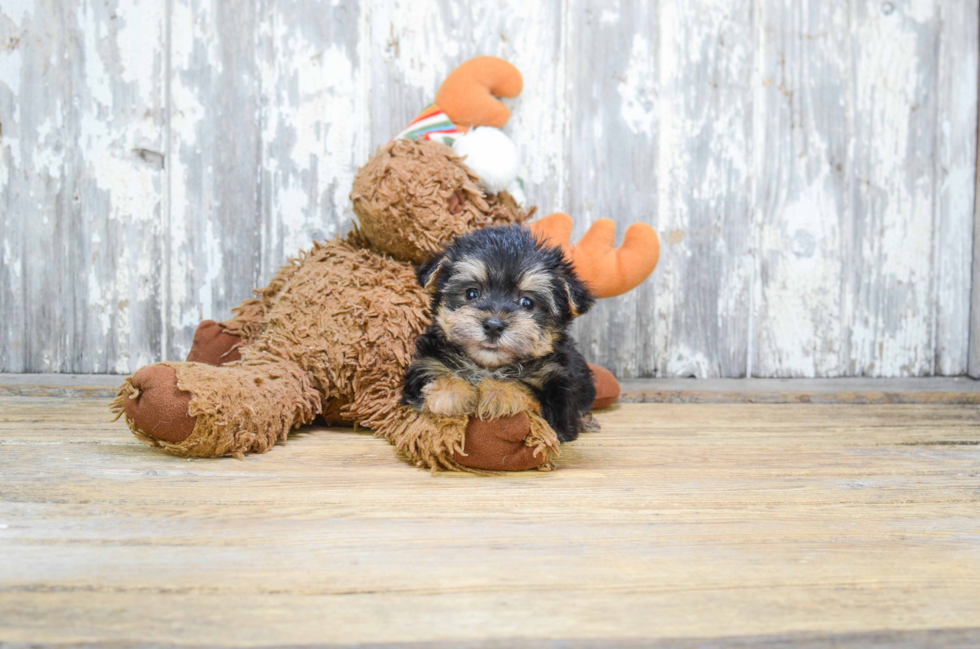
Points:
(708, 525)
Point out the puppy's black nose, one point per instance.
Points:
(493, 327)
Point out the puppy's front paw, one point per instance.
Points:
(503, 399)
(450, 397)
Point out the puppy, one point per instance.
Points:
(502, 303)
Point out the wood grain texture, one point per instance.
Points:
(809, 166)
(616, 86)
(891, 244)
(803, 182)
(955, 175)
(81, 184)
(973, 366)
(215, 142)
(314, 120)
(928, 390)
(705, 149)
(674, 521)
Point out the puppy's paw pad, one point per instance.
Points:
(502, 399)
(450, 397)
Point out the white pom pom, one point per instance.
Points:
(491, 155)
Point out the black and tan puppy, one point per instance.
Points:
(502, 303)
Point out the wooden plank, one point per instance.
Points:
(214, 221)
(116, 241)
(707, 58)
(955, 177)
(81, 184)
(891, 305)
(612, 172)
(852, 390)
(314, 123)
(667, 144)
(806, 522)
(60, 385)
(973, 366)
(927, 639)
(849, 390)
(803, 188)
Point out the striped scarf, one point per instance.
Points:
(431, 124)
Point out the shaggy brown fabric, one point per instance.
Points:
(250, 314)
(468, 444)
(214, 345)
(412, 198)
(428, 441)
(606, 387)
(334, 330)
(342, 333)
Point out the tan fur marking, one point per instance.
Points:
(522, 340)
(463, 326)
(450, 397)
(571, 302)
(526, 338)
(471, 269)
(536, 280)
(503, 399)
(433, 368)
(430, 284)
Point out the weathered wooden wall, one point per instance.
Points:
(809, 164)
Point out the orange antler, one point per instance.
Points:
(608, 271)
(469, 94)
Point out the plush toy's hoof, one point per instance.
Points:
(213, 345)
(498, 445)
(159, 409)
(606, 387)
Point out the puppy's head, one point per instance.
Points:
(503, 295)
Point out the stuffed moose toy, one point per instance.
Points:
(333, 332)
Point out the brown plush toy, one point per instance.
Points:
(334, 330)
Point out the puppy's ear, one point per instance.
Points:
(580, 299)
(429, 272)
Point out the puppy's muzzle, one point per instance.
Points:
(493, 328)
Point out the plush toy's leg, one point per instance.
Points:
(214, 345)
(517, 443)
(198, 410)
(218, 343)
(157, 408)
(606, 387)
(504, 433)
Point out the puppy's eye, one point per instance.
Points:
(527, 303)
(472, 294)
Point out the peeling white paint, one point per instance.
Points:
(10, 62)
(815, 157)
(801, 294)
(637, 89)
(415, 31)
(609, 17)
